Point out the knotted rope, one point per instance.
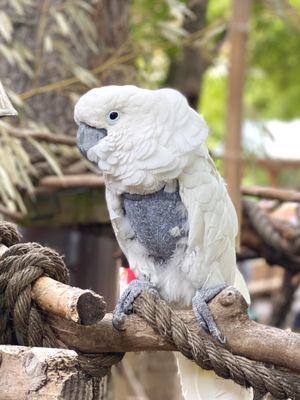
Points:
(21, 321)
(210, 355)
(24, 323)
(268, 232)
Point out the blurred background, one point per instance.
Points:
(237, 62)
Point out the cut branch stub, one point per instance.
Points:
(82, 306)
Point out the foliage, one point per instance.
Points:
(64, 30)
(55, 39)
(156, 29)
(272, 89)
(272, 79)
(15, 172)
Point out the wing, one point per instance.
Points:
(210, 258)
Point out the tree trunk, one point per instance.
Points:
(90, 255)
(112, 18)
(187, 69)
(54, 108)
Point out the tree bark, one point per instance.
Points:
(112, 20)
(82, 306)
(41, 373)
(187, 69)
(55, 108)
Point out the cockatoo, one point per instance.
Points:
(169, 208)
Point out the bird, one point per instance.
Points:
(169, 208)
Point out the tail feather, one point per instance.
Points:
(198, 384)
(241, 286)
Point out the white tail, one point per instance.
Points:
(198, 384)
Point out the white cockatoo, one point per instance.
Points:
(168, 206)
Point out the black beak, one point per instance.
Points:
(87, 137)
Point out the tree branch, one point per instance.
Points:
(244, 336)
(82, 306)
(69, 181)
(271, 193)
(43, 136)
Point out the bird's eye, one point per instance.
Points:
(113, 116)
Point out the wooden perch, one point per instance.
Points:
(82, 306)
(271, 193)
(244, 336)
(276, 242)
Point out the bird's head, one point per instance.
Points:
(138, 137)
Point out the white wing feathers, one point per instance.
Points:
(210, 257)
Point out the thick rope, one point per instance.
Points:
(275, 248)
(21, 321)
(212, 356)
(268, 233)
(24, 323)
(264, 227)
(8, 234)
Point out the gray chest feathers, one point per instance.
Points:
(159, 221)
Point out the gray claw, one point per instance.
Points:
(203, 313)
(125, 302)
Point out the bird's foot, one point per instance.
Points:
(125, 302)
(203, 313)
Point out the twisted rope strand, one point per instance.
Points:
(212, 356)
(21, 321)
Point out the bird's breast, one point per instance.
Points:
(159, 221)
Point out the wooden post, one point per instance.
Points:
(41, 373)
(233, 157)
